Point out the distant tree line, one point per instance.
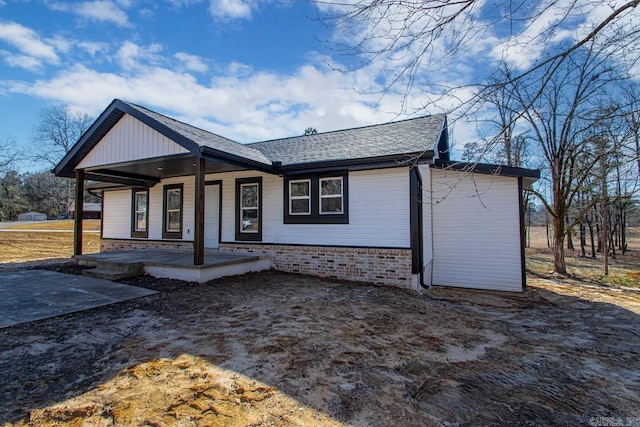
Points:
(58, 128)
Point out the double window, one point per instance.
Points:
(249, 209)
(172, 212)
(316, 199)
(140, 213)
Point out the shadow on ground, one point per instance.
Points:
(284, 347)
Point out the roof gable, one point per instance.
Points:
(196, 141)
(130, 139)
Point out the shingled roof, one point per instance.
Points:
(383, 142)
(406, 137)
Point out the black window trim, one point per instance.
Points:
(135, 233)
(249, 237)
(316, 217)
(172, 234)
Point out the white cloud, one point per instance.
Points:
(28, 63)
(27, 42)
(232, 9)
(192, 62)
(131, 56)
(249, 107)
(97, 10)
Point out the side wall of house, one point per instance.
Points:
(476, 231)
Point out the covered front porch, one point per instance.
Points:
(170, 263)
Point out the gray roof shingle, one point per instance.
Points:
(396, 138)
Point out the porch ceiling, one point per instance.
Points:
(150, 171)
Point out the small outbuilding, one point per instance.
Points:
(90, 210)
(32, 216)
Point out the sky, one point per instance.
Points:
(249, 70)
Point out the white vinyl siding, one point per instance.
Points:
(476, 231)
(129, 140)
(155, 207)
(116, 215)
(378, 211)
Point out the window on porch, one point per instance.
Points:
(139, 213)
(172, 209)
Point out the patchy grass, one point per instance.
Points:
(23, 246)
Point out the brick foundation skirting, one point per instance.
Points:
(110, 245)
(391, 267)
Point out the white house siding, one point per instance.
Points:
(116, 215)
(188, 209)
(476, 231)
(378, 212)
(129, 140)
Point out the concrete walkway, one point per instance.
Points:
(30, 295)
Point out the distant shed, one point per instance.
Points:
(32, 216)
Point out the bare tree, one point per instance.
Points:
(416, 35)
(8, 153)
(58, 129)
(561, 117)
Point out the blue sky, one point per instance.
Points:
(247, 69)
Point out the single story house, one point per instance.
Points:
(381, 204)
(32, 216)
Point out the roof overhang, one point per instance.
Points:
(529, 175)
(364, 163)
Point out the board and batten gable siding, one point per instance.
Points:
(128, 140)
(378, 211)
(116, 214)
(476, 231)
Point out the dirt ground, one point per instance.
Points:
(288, 350)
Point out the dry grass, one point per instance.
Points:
(23, 246)
(624, 270)
(65, 224)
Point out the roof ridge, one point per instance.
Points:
(132, 104)
(346, 130)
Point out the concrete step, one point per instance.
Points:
(135, 268)
(109, 274)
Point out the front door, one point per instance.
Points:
(211, 215)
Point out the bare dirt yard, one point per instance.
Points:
(288, 350)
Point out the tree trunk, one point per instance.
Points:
(559, 265)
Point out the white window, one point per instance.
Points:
(331, 196)
(300, 197)
(140, 215)
(249, 208)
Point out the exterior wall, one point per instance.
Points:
(130, 139)
(476, 231)
(378, 212)
(372, 265)
(116, 221)
(373, 247)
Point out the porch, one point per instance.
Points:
(171, 264)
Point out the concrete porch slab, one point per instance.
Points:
(178, 264)
(30, 295)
